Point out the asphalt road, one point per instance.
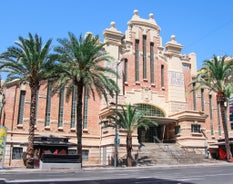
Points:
(194, 174)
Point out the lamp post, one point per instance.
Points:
(116, 127)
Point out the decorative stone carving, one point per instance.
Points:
(146, 94)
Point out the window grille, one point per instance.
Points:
(61, 108)
(48, 104)
(152, 64)
(17, 153)
(150, 110)
(202, 100)
(211, 115)
(21, 107)
(144, 58)
(194, 98)
(85, 113)
(195, 128)
(162, 76)
(73, 107)
(137, 60)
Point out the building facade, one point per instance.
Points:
(154, 76)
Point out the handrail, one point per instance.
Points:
(157, 139)
(165, 147)
(204, 134)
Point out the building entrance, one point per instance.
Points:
(152, 134)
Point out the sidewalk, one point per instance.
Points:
(99, 167)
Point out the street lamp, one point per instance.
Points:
(116, 127)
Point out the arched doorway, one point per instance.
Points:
(153, 133)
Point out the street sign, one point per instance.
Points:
(117, 138)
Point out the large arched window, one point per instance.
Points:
(150, 110)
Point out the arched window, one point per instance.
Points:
(150, 110)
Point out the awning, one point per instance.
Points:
(51, 141)
(50, 144)
(54, 144)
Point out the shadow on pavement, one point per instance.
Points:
(112, 181)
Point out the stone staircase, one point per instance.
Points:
(167, 153)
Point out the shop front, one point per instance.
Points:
(52, 149)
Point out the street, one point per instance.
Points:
(196, 174)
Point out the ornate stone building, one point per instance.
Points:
(154, 76)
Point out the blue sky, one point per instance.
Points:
(201, 26)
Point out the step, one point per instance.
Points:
(159, 153)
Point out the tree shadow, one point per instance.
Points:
(116, 181)
(136, 181)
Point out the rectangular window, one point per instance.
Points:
(61, 108)
(73, 107)
(162, 76)
(152, 64)
(37, 101)
(17, 153)
(85, 155)
(195, 128)
(144, 57)
(126, 71)
(194, 98)
(48, 104)
(105, 124)
(177, 129)
(219, 120)
(137, 60)
(85, 107)
(21, 107)
(211, 115)
(202, 100)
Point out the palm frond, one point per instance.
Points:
(81, 59)
(130, 118)
(215, 75)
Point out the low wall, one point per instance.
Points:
(51, 161)
(60, 165)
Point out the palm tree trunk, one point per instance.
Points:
(129, 150)
(79, 124)
(30, 148)
(221, 100)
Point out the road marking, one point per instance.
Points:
(144, 177)
(191, 178)
(122, 174)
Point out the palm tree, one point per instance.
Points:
(130, 118)
(81, 66)
(29, 62)
(217, 76)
